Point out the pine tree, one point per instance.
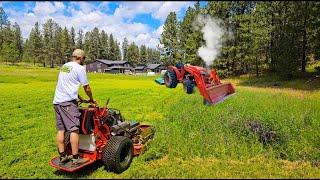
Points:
(65, 45)
(57, 42)
(117, 51)
(125, 45)
(49, 29)
(133, 54)
(79, 43)
(104, 45)
(190, 37)
(3, 23)
(143, 54)
(3, 19)
(18, 39)
(86, 46)
(95, 44)
(169, 37)
(72, 39)
(112, 44)
(35, 44)
(9, 50)
(26, 52)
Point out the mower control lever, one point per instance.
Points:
(87, 102)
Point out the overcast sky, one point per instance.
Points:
(139, 21)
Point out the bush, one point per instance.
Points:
(224, 73)
(317, 68)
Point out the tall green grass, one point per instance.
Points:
(191, 140)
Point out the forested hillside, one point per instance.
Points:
(281, 37)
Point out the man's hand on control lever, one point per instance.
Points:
(92, 101)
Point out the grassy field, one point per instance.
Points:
(191, 141)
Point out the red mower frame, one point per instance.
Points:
(104, 134)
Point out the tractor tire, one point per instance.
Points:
(188, 86)
(170, 79)
(117, 154)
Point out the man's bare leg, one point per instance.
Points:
(60, 140)
(74, 139)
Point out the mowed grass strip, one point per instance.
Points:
(192, 140)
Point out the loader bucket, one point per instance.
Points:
(219, 93)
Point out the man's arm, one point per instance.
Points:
(88, 91)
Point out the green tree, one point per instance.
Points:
(113, 54)
(87, 46)
(143, 54)
(10, 51)
(190, 37)
(125, 45)
(169, 37)
(3, 18)
(79, 42)
(35, 45)
(49, 29)
(72, 39)
(65, 45)
(18, 39)
(133, 54)
(104, 45)
(117, 51)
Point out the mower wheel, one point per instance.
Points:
(117, 154)
(188, 86)
(170, 79)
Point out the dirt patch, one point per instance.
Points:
(266, 134)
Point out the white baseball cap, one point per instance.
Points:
(78, 53)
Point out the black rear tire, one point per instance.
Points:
(117, 155)
(188, 86)
(170, 79)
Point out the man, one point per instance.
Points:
(71, 75)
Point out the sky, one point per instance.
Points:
(139, 21)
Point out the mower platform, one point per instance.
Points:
(55, 162)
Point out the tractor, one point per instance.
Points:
(104, 135)
(207, 81)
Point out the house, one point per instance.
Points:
(108, 66)
(140, 68)
(156, 67)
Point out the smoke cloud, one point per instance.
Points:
(212, 34)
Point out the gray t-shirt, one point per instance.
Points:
(70, 77)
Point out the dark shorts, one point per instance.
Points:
(67, 116)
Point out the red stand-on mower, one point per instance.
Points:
(208, 82)
(105, 135)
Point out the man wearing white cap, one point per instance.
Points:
(71, 75)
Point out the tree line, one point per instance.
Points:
(50, 44)
(277, 36)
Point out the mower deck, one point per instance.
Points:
(55, 162)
